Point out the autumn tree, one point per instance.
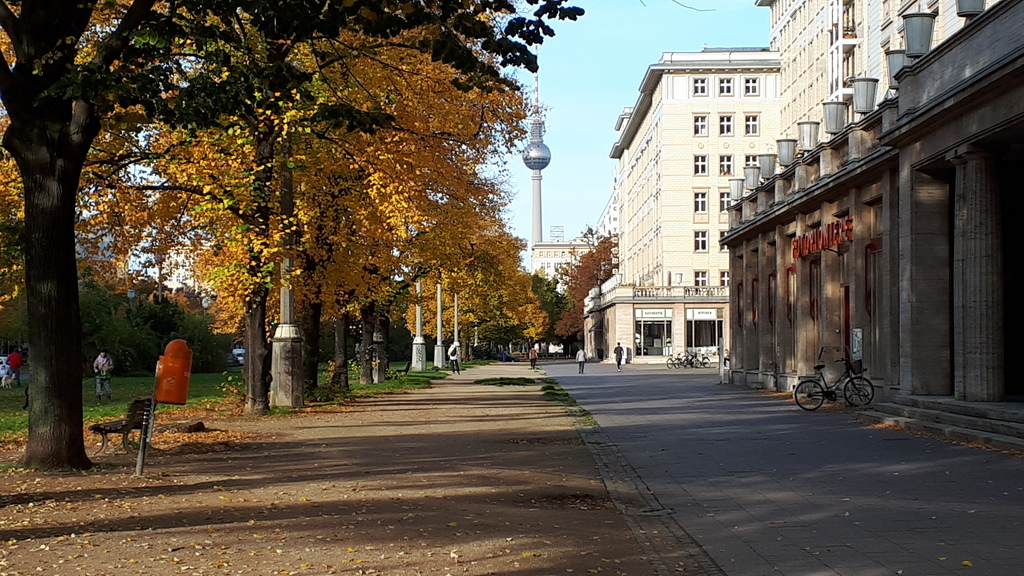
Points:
(591, 270)
(64, 62)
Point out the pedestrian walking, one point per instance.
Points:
(15, 361)
(581, 358)
(453, 357)
(619, 352)
(103, 365)
(533, 358)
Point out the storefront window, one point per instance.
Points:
(704, 328)
(653, 337)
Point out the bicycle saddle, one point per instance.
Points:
(819, 366)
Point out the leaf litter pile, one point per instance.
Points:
(436, 482)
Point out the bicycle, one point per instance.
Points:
(687, 360)
(812, 392)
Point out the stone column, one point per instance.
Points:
(977, 281)
(419, 345)
(925, 300)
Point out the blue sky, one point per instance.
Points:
(589, 72)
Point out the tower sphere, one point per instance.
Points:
(537, 156)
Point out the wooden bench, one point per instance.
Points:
(132, 421)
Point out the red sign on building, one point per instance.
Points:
(823, 238)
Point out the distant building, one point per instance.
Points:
(700, 118)
(608, 223)
(550, 256)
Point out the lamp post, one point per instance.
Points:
(286, 352)
(419, 345)
(439, 342)
(455, 326)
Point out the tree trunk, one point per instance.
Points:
(50, 154)
(257, 356)
(340, 377)
(312, 334)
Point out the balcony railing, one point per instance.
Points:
(653, 294)
(681, 292)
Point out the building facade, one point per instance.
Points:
(888, 241)
(699, 119)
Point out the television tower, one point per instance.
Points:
(537, 156)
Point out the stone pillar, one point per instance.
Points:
(419, 345)
(925, 304)
(978, 350)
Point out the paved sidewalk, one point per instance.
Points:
(462, 478)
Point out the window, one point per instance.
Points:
(723, 278)
(700, 202)
(721, 245)
(751, 86)
(725, 125)
(700, 278)
(700, 86)
(725, 86)
(700, 165)
(724, 201)
(752, 125)
(700, 241)
(750, 160)
(700, 125)
(725, 165)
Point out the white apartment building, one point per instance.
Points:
(824, 43)
(700, 118)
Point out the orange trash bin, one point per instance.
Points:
(173, 371)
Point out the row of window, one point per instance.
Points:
(700, 202)
(751, 125)
(751, 86)
(700, 164)
(700, 241)
(700, 278)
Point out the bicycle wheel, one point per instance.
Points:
(809, 395)
(705, 362)
(858, 391)
(670, 362)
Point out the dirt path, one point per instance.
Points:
(458, 479)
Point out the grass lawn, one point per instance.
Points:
(205, 392)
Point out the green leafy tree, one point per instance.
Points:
(552, 301)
